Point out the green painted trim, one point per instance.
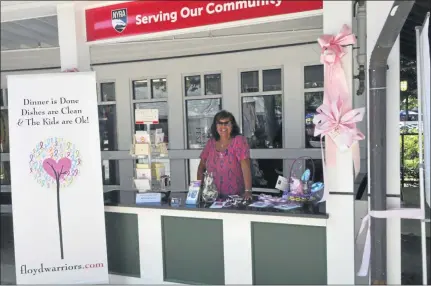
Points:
(122, 241)
(193, 250)
(285, 254)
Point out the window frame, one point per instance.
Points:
(305, 90)
(150, 100)
(100, 102)
(262, 93)
(200, 97)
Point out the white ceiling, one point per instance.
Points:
(29, 33)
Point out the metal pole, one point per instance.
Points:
(377, 134)
(377, 171)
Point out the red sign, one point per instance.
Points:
(144, 17)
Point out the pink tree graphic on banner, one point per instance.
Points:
(55, 163)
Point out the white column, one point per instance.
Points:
(377, 12)
(340, 179)
(74, 51)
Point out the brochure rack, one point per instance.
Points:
(147, 146)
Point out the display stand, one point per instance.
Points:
(150, 179)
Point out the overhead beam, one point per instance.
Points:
(41, 35)
(7, 36)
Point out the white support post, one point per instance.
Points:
(339, 180)
(74, 51)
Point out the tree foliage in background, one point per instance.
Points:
(410, 160)
(409, 74)
(409, 101)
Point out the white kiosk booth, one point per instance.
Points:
(259, 60)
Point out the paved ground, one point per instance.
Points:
(411, 263)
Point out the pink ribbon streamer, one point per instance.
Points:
(71, 70)
(336, 120)
(407, 213)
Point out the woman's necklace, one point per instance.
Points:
(224, 145)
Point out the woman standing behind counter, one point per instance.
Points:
(227, 156)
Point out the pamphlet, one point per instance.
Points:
(142, 137)
(143, 173)
(193, 194)
(287, 207)
(217, 205)
(260, 204)
(142, 185)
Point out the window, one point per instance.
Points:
(272, 80)
(316, 165)
(159, 88)
(265, 172)
(313, 98)
(250, 81)
(192, 85)
(4, 173)
(4, 123)
(151, 93)
(162, 107)
(140, 89)
(212, 84)
(200, 114)
(202, 102)
(107, 91)
(110, 173)
(107, 117)
(313, 76)
(262, 113)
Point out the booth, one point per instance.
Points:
(188, 60)
(197, 245)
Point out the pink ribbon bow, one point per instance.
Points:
(331, 118)
(335, 116)
(332, 52)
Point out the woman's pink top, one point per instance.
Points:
(226, 166)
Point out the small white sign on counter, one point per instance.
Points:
(148, 198)
(282, 183)
(146, 116)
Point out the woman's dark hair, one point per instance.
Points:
(224, 115)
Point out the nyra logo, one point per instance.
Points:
(119, 19)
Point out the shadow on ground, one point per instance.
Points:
(411, 260)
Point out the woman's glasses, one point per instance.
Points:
(223, 123)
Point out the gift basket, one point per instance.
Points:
(302, 188)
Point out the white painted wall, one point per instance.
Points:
(290, 59)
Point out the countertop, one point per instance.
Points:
(126, 198)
